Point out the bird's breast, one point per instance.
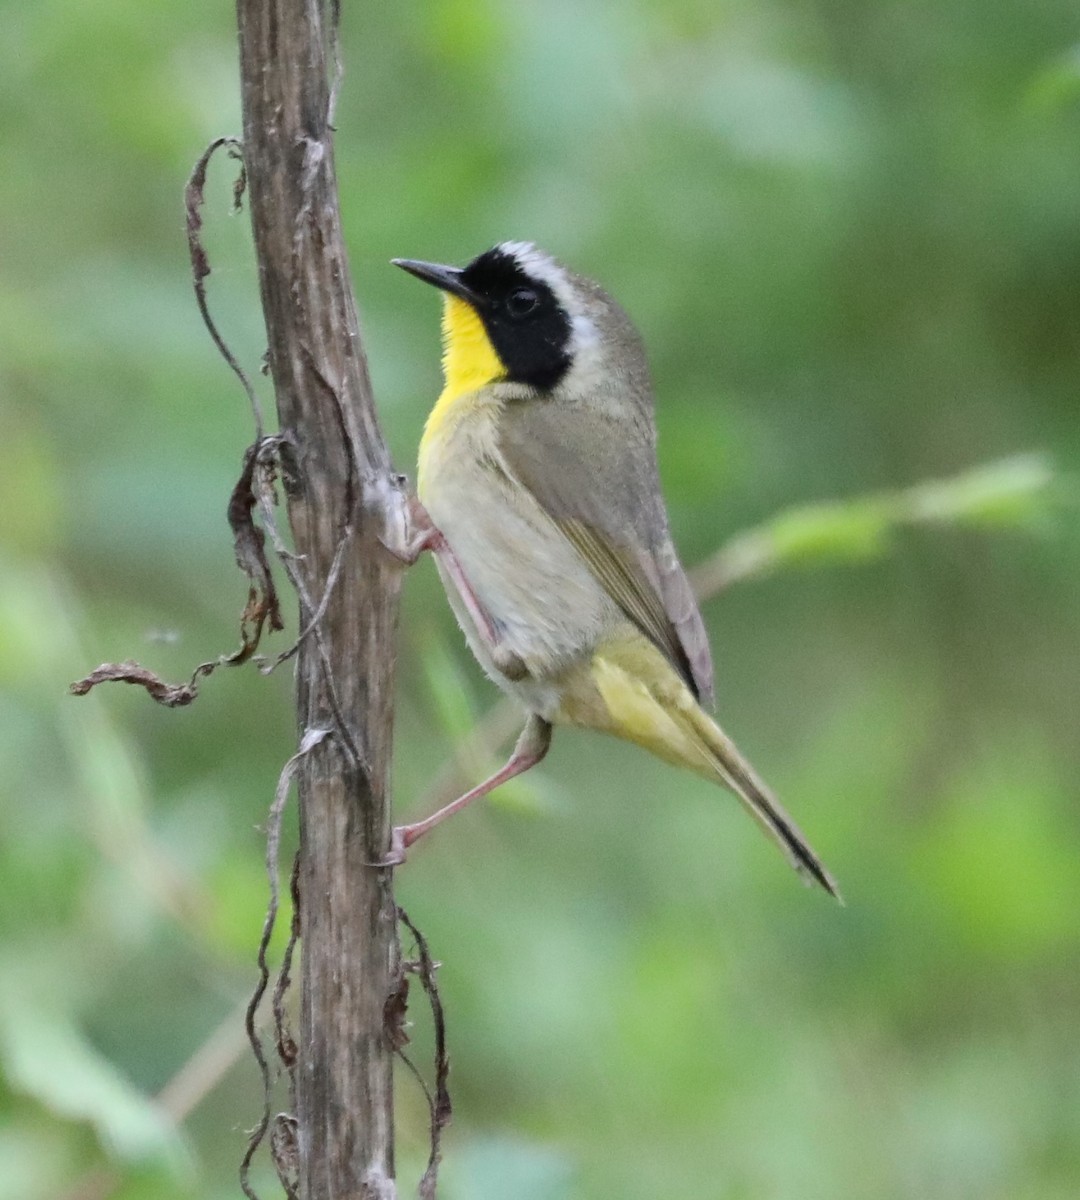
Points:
(544, 602)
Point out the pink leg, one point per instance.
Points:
(531, 747)
(424, 536)
(473, 606)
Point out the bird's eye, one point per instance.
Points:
(521, 303)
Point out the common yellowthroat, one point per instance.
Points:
(538, 474)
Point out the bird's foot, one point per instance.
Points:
(409, 531)
(400, 840)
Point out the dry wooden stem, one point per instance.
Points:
(337, 491)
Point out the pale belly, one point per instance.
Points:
(546, 606)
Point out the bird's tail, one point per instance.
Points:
(739, 776)
(646, 702)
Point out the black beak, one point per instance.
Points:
(447, 278)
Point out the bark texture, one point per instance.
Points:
(340, 488)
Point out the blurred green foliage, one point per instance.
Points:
(849, 235)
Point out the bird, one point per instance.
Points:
(538, 491)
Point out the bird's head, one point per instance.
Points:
(514, 315)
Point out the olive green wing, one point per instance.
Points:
(601, 487)
(627, 585)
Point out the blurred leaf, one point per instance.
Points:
(1016, 493)
(1013, 493)
(47, 1057)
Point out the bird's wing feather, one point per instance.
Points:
(626, 584)
(610, 508)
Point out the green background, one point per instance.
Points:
(849, 234)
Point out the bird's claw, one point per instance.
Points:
(408, 530)
(395, 856)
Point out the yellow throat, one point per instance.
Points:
(469, 360)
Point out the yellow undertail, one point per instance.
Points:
(631, 690)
